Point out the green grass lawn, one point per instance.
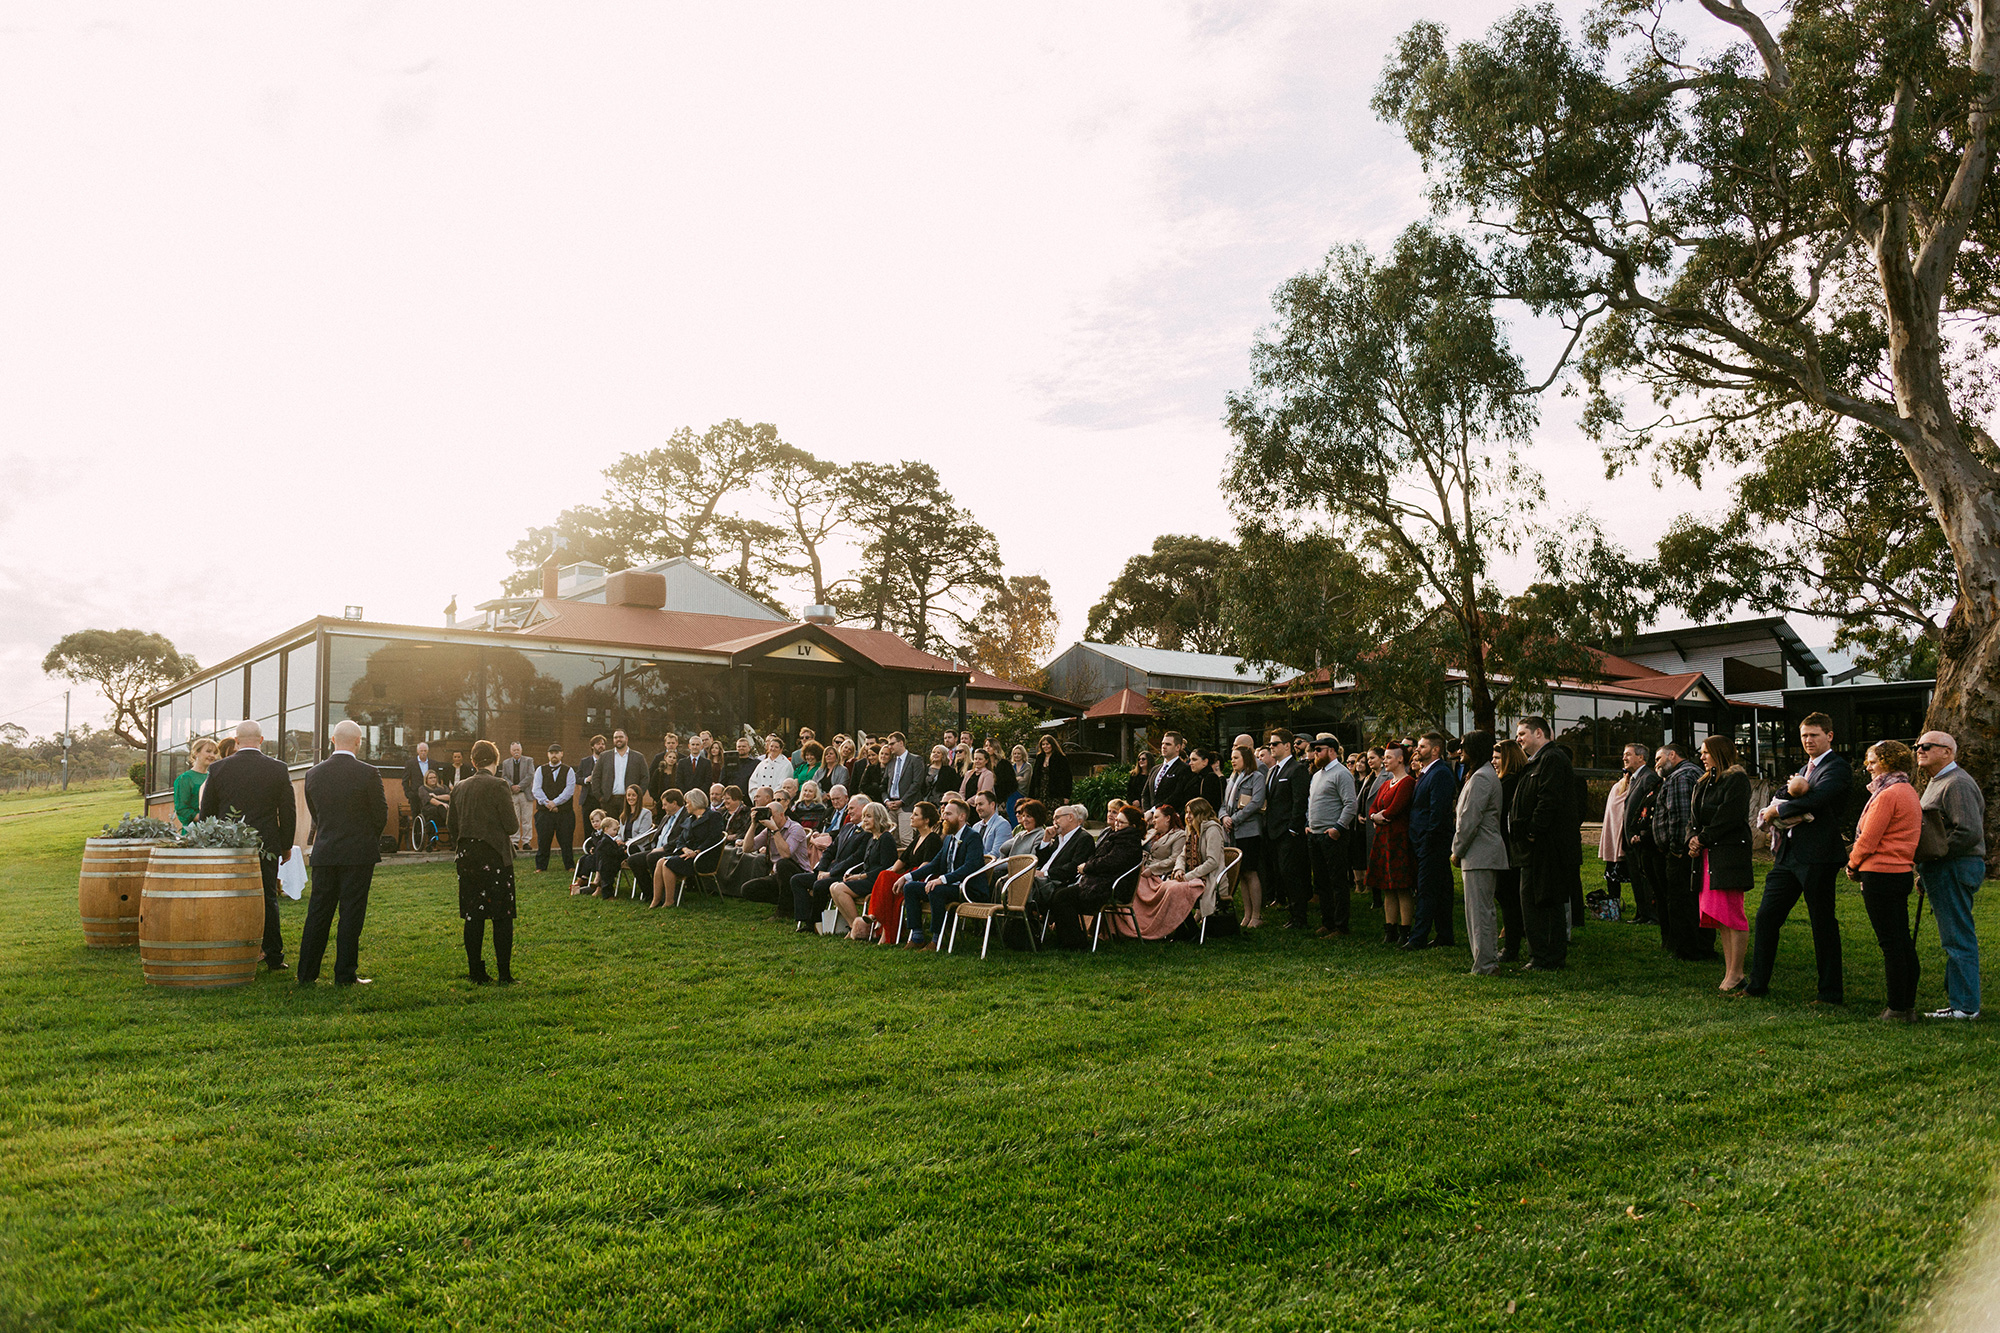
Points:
(693, 1119)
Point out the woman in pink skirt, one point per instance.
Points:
(1719, 842)
(1163, 900)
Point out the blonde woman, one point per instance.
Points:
(1166, 893)
(187, 787)
(852, 889)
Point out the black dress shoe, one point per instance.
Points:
(802, 928)
(506, 979)
(277, 966)
(479, 978)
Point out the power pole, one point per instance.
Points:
(65, 740)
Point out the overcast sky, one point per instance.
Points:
(316, 305)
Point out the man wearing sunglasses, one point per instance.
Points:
(1953, 801)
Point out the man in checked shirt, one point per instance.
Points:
(1672, 807)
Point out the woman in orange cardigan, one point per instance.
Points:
(1885, 845)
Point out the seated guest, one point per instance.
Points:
(839, 851)
(1166, 892)
(737, 814)
(670, 828)
(1030, 832)
(613, 842)
(854, 886)
(584, 875)
(702, 835)
(959, 854)
(1066, 845)
(715, 794)
(777, 844)
(811, 808)
(1117, 853)
(434, 804)
(885, 899)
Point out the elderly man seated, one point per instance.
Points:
(1066, 845)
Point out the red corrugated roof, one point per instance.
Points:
(688, 631)
(1125, 703)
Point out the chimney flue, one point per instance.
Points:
(551, 579)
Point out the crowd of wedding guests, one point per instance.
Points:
(865, 838)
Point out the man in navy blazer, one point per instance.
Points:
(344, 794)
(963, 852)
(1807, 848)
(1433, 816)
(1288, 788)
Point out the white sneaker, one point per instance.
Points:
(1949, 1012)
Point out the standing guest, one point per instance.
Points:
(251, 786)
(1049, 780)
(1368, 780)
(1719, 846)
(1208, 781)
(707, 766)
(1638, 855)
(1546, 825)
(807, 736)
(1432, 819)
(1024, 769)
(1611, 835)
(588, 764)
(869, 778)
(949, 740)
(1004, 784)
(1110, 864)
(1171, 782)
(809, 767)
(668, 767)
(1141, 777)
(838, 766)
(459, 770)
(978, 778)
(1479, 848)
(615, 770)
(187, 787)
(698, 850)
(482, 824)
(1287, 797)
(902, 781)
(1392, 861)
(851, 890)
(1677, 898)
(1509, 761)
(1806, 853)
(348, 808)
(885, 896)
(774, 768)
(226, 747)
(1883, 860)
(741, 765)
(415, 773)
(1330, 817)
(1242, 822)
(1955, 808)
(554, 790)
(940, 779)
(518, 774)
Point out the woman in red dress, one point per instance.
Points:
(1392, 861)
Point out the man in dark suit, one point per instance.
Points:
(588, 764)
(1545, 828)
(615, 770)
(1172, 781)
(1640, 858)
(414, 773)
(1288, 791)
(251, 786)
(942, 882)
(1807, 848)
(1433, 818)
(344, 795)
(1063, 850)
(841, 851)
(740, 765)
(902, 781)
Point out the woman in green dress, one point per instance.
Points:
(187, 787)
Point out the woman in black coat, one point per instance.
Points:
(1049, 780)
(1719, 842)
(1135, 786)
(699, 851)
(1108, 871)
(1207, 776)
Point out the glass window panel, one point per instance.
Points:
(264, 688)
(401, 692)
(683, 696)
(202, 706)
(302, 678)
(229, 701)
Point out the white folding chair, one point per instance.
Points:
(1223, 878)
(680, 889)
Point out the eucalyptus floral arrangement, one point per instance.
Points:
(141, 827)
(221, 833)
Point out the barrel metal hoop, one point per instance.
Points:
(198, 944)
(210, 893)
(152, 963)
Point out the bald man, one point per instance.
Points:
(253, 787)
(1953, 800)
(349, 810)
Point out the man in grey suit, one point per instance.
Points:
(1954, 805)
(1478, 849)
(518, 772)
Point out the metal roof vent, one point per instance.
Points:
(819, 615)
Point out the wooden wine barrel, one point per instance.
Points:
(107, 890)
(201, 917)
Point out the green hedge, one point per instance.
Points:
(1100, 787)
